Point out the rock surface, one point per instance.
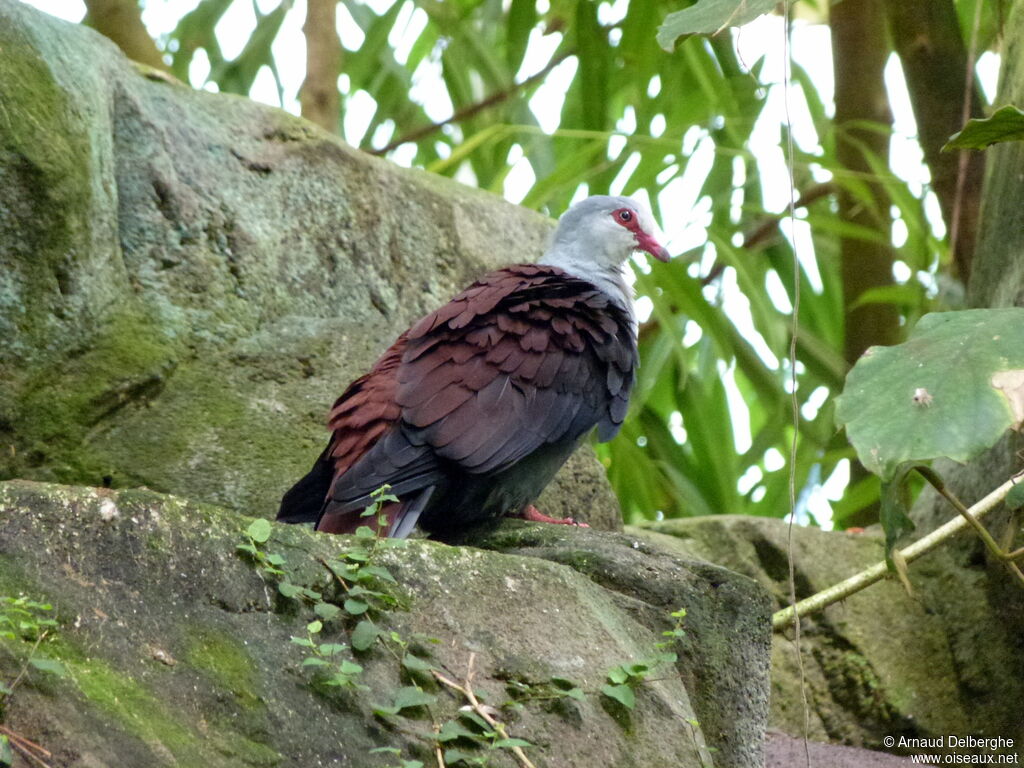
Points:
(882, 663)
(179, 651)
(189, 280)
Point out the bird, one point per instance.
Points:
(470, 413)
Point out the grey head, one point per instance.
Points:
(595, 237)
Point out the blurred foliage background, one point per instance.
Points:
(548, 101)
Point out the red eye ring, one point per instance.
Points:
(625, 215)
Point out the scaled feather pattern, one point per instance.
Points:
(469, 414)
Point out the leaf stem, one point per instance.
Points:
(467, 691)
(867, 577)
(932, 477)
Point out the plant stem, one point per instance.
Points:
(982, 532)
(467, 691)
(867, 577)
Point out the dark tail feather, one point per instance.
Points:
(405, 520)
(302, 504)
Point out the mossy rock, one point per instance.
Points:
(179, 651)
(188, 280)
(943, 660)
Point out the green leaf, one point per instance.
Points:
(452, 756)
(358, 554)
(314, 661)
(275, 559)
(1015, 498)
(288, 589)
(479, 722)
(356, 607)
(1006, 124)
(331, 649)
(707, 17)
(305, 642)
(364, 635)
(258, 530)
(314, 627)
(52, 666)
(620, 693)
(379, 572)
(406, 698)
(326, 611)
(618, 675)
(452, 730)
(6, 753)
(416, 664)
(350, 668)
(952, 389)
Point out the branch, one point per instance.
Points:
(28, 749)
(319, 93)
(467, 691)
(940, 78)
(867, 577)
(121, 22)
(472, 109)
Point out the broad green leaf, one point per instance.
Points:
(416, 664)
(52, 666)
(259, 530)
(707, 17)
(452, 730)
(326, 611)
(618, 675)
(364, 635)
(350, 668)
(380, 572)
(1006, 124)
(356, 607)
(6, 752)
(952, 389)
(621, 693)
(1015, 498)
(288, 589)
(452, 756)
(405, 698)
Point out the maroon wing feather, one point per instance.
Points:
(366, 410)
(528, 355)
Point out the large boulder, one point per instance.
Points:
(179, 651)
(188, 280)
(943, 661)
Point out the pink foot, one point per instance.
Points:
(534, 515)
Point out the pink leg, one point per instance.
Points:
(534, 515)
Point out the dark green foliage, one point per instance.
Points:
(1006, 124)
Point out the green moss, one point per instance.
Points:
(128, 361)
(225, 660)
